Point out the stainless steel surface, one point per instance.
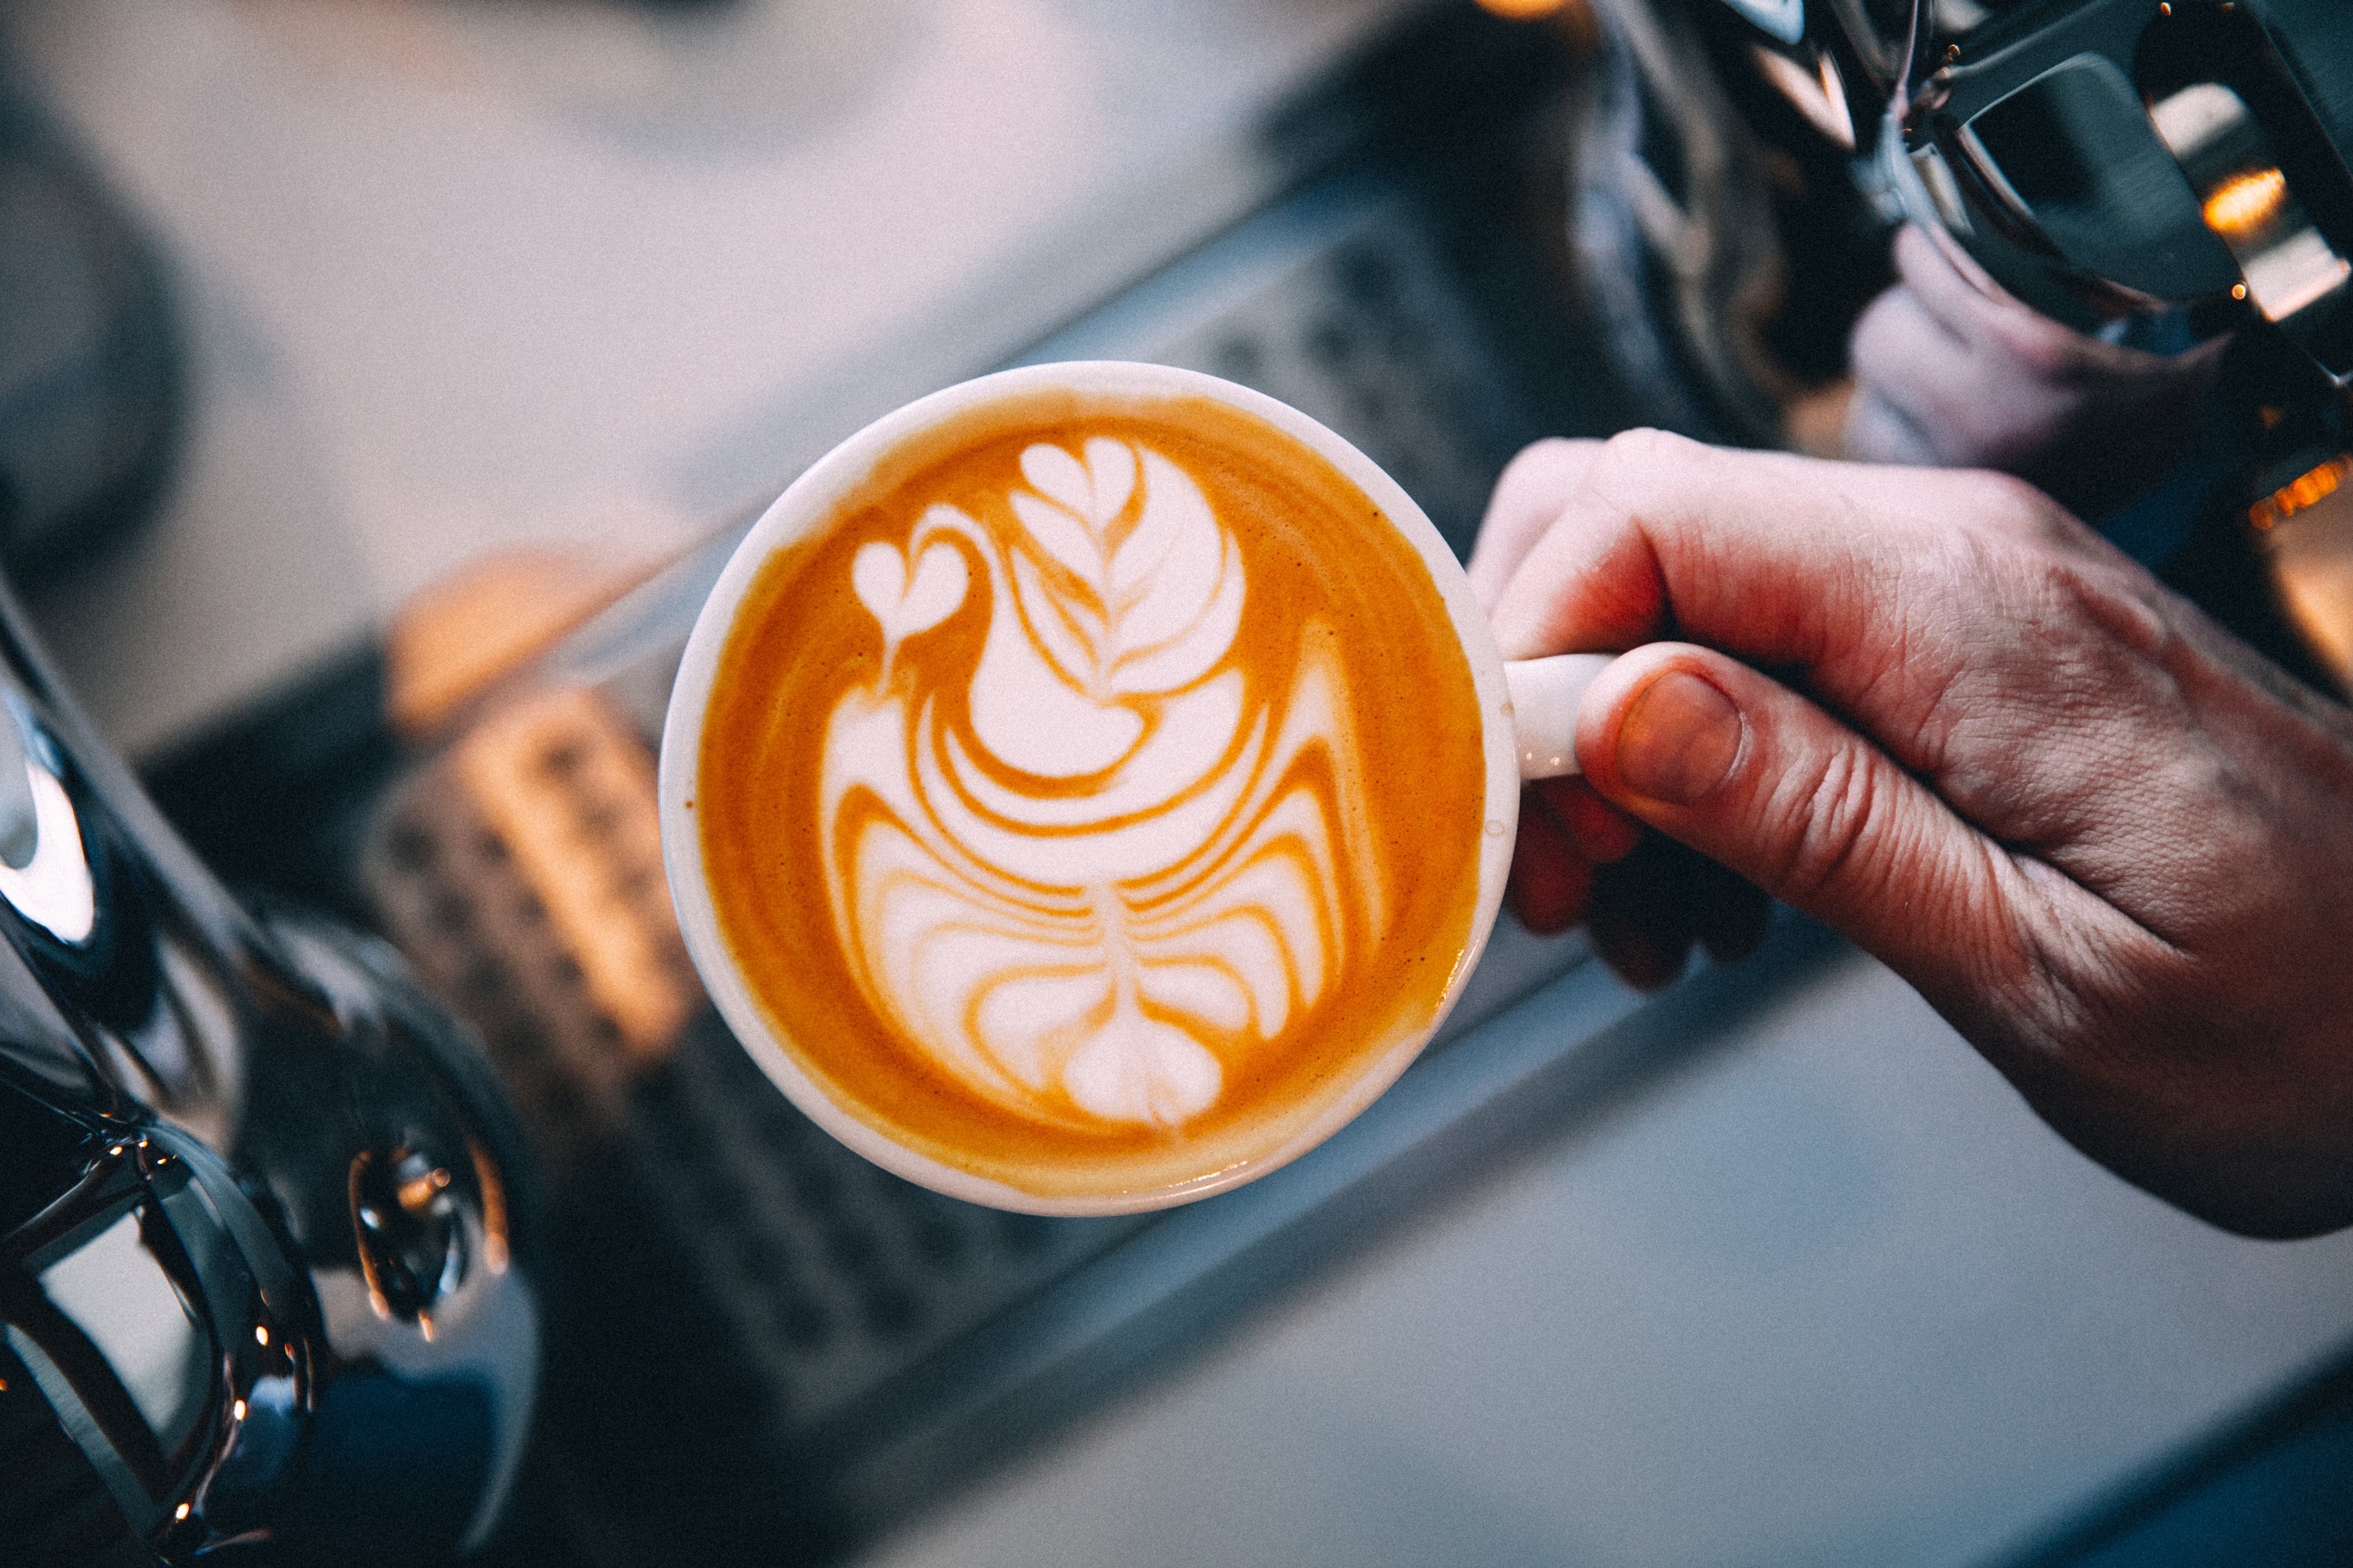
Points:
(282, 1292)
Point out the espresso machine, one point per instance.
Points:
(2152, 175)
(268, 1278)
(270, 1227)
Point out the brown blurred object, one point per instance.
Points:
(1815, 419)
(454, 639)
(2303, 530)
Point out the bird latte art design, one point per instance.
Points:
(1095, 793)
(1174, 887)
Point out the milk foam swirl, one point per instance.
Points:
(1121, 862)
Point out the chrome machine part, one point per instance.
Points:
(2102, 159)
(2152, 171)
(264, 1253)
(1723, 248)
(1676, 244)
(2119, 157)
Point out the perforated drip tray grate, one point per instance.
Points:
(835, 1274)
(1342, 307)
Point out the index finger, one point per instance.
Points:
(1534, 486)
(1869, 580)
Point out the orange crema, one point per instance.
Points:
(1382, 810)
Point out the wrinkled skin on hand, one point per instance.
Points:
(1950, 370)
(2106, 841)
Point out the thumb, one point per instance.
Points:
(1753, 776)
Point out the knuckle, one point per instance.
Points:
(2003, 504)
(2122, 608)
(1876, 344)
(1832, 819)
(1541, 454)
(1642, 472)
(2038, 347)
(1537, 482)
(1991, 507)
(1532, 466)
(1636, 456)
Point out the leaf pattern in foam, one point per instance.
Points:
(1102, 958)
(1158, 583)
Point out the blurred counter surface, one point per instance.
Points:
(1773, 1270)
(477, 274)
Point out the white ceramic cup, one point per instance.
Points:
(1528, 718)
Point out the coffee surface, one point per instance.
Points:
(1095, 793)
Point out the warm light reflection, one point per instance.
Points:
(494, 1207)
(2244, 204)
(418, 1192)
(569, 791)
(237, 1411)
(457, 637)
(2305, 530)
(1523, 10)
(260, 1335)
(1820, 94)
(2305, 491)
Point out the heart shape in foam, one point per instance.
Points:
(902, 604)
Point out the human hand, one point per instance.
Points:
(2112, 846)
(1951, 371)
(1645, 900)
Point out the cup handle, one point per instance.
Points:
(1545, 695)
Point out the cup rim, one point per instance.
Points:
(804, 505)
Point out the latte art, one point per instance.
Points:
(1090, 801)
(1088, 869)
